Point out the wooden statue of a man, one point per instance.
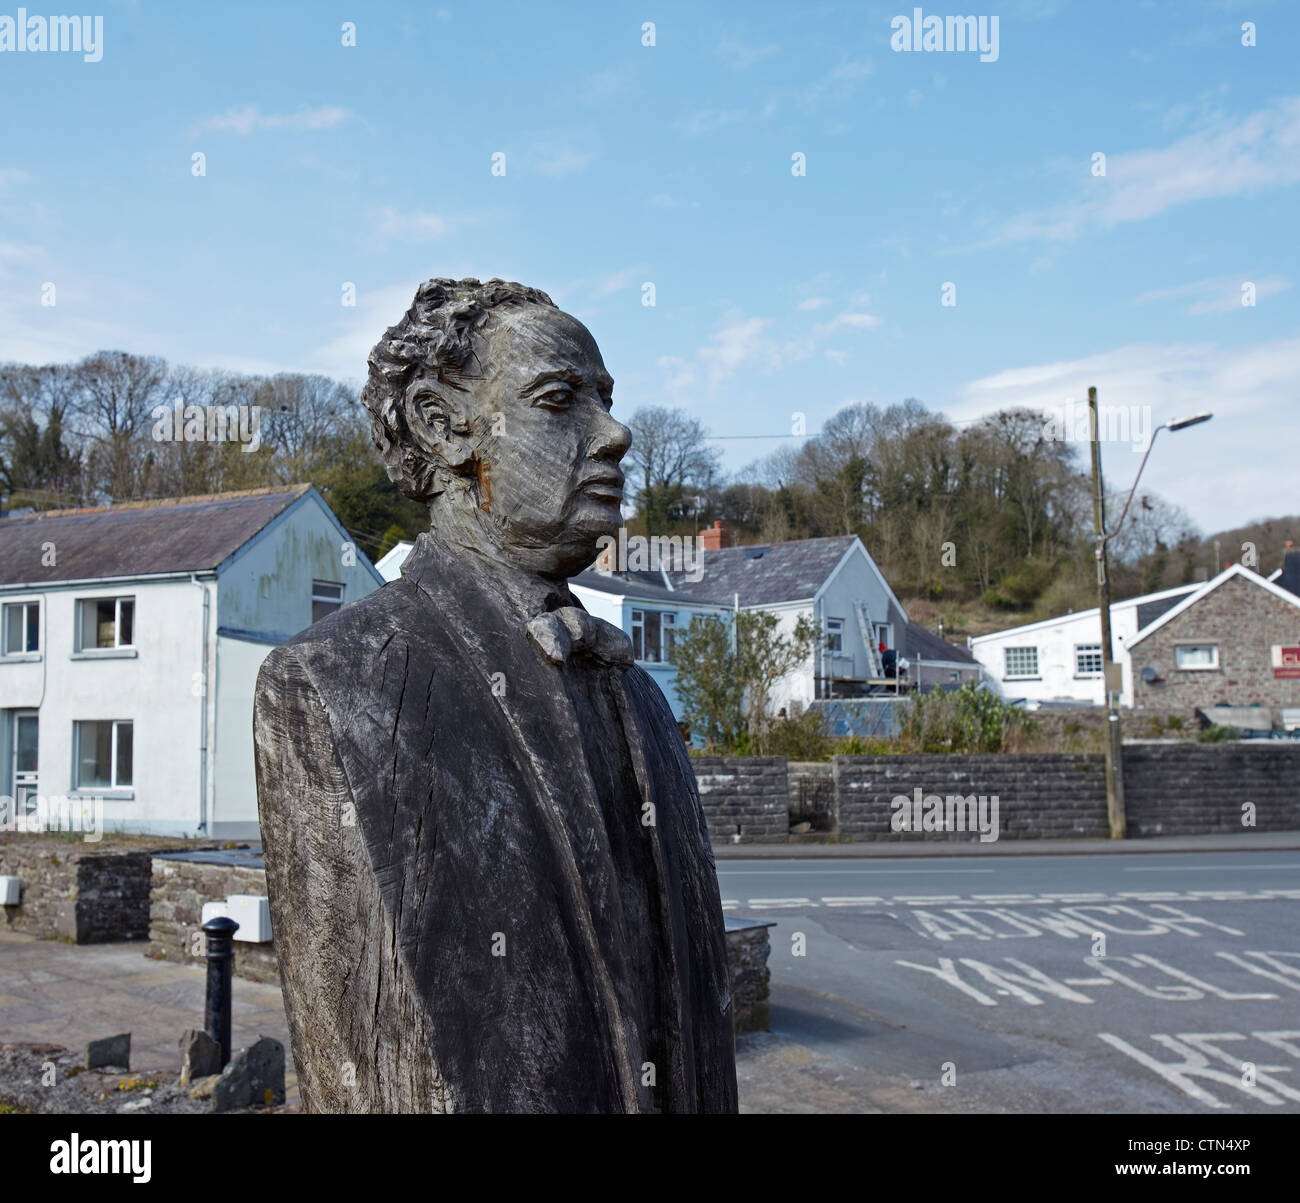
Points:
(491, 883)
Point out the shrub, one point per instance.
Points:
(968, 720)
(1214, 734)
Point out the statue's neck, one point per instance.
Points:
(521, 585)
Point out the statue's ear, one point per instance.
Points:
(439, 427)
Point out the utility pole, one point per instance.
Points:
(1110, 670)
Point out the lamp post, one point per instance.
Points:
(1111, 671)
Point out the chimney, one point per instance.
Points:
(716, 537)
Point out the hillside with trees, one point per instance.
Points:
(977, 525)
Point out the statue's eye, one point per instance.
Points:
(555, 398)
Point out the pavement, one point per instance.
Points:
(1237, 841)
(68, 994)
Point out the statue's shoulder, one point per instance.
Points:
(353, 642)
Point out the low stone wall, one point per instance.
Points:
(748, 796)
(180, 888)
(77, 892)
(1196, 789)
(1038, 796)
(748, 947)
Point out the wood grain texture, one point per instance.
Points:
(434, 791)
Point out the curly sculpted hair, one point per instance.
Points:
(434, 342)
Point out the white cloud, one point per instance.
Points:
(9, 176)
(1220, 294)
(250, 119)
(618, 281)
(705, 121)
(848, 321)
(415, 226)
(741, 57)
(739, 340)
(1224, 158)
(1239, 467)
(557, 155)
(812, 303)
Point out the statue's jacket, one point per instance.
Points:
(490, 879)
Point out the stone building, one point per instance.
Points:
(1235, 641)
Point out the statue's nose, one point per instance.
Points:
(611, 440)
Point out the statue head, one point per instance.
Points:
(491, 406)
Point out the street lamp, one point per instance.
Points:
(1111, 671)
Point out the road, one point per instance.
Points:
(1137, 983)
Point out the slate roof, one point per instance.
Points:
(766, 573)
(920, 643)
(1148, 612)
(137, 538)
(648, 586)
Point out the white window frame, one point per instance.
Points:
(883, 632)
(117, 645)
(640, 643)
(19, 610)
(320, 593)
(116, 724)
(1089, 649)
(1196, 668)
(1008, 675)
(835, 636)
(667, 635)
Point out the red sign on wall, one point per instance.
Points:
(1286, 661)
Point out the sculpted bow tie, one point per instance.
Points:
(561, 633)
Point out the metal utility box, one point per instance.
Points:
(253, 914)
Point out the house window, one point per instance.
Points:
(653, 635)
(104, 755)
(669, 636)
(1088, 660)
(1196, 656)
(105, 622)
(835, 636)
(326, 597)
(1021, 661)
(22, 628)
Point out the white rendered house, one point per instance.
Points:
(1060, 659)
(130, 640)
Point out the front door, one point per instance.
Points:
(25, 743)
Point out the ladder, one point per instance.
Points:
(875, 670)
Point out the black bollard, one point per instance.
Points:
(221, 959)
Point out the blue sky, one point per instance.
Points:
(671, 164)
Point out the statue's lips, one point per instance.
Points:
(604, 489)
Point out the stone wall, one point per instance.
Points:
(180, 888)
(77, 892)
(747, 796)
(1193, 789)
(1245, 621)
(1038, 797)
(747, 951)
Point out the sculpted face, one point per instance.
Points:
(542, 453)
